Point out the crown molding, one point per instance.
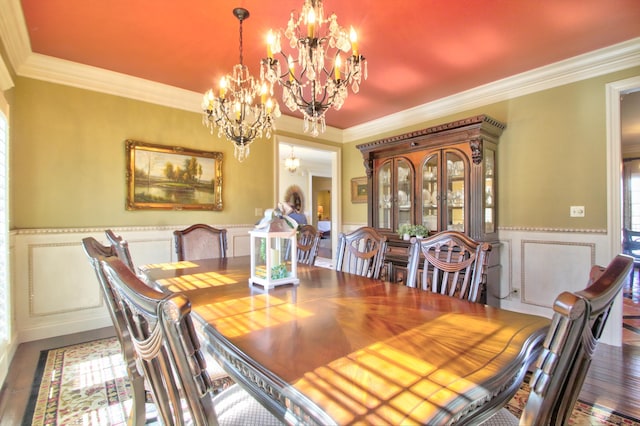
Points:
(13, 32)
(27, 64)
(603, 61)
(6, 82)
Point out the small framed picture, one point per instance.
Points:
(359, 190)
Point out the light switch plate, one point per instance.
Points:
(576, 211)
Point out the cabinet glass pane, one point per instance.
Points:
(384, 196)
(489, 189)
(430, 196)
(454, 210)
(405, 192)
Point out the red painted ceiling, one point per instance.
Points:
(417, 50)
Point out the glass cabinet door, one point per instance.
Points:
(404, 202)
(454, 211)
(430, 195)
(384, 195)
(489, 192)
(394, 192)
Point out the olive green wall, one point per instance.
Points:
(68, 160)
(551, 155)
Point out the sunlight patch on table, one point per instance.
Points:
(241, 316)
(169, 266)
(196, 281)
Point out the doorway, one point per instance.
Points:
(321, 191)
(318, 176)
(616, 145)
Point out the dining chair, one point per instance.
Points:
(200, 241)
(121, 248)
(449, 263)
(95, 251)
(361, 252)
(308, 240)
(165, 341)
(576, 327)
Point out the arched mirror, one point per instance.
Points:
(294, 198)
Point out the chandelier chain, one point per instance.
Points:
(241, 55)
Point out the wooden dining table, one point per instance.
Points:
(343, 349)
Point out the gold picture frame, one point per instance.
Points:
(172, 178)
(359, 190)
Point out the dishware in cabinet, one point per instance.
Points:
(394, 182)
(444, 190)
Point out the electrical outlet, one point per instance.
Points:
(576, 211)
(258, 211)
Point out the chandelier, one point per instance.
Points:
(292, 162)
(242, 110)
(307, 84)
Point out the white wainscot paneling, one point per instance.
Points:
(551, 266)
(537, 266)
(55, 288)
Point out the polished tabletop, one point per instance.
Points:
(344, 349)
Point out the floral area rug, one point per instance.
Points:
(84, 384)
(583, 412)
(87, 384)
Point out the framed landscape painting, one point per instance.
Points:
(172, 178)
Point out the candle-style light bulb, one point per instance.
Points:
(223, 87)
(263, 93)
(311, 23)
(291, 67)
(270, 41)
(337, 67)
(207, 100)
(353, 37)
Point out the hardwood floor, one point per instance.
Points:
(613, 379)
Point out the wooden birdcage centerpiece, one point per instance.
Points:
(272, 238)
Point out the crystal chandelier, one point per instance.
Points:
(307, 84)
(243, 110)
(292, 162)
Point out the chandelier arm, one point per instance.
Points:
(300, 101)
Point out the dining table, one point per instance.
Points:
(343, 349)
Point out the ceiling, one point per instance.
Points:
(417, 50)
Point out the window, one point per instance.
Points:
(4, 232)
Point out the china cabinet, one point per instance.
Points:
(443, 177)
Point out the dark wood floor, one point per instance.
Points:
(613, 379)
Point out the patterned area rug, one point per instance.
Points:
(86, 384)
(583, 412)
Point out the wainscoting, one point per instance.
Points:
(56, 293)
(536, 266)
(55, 288)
